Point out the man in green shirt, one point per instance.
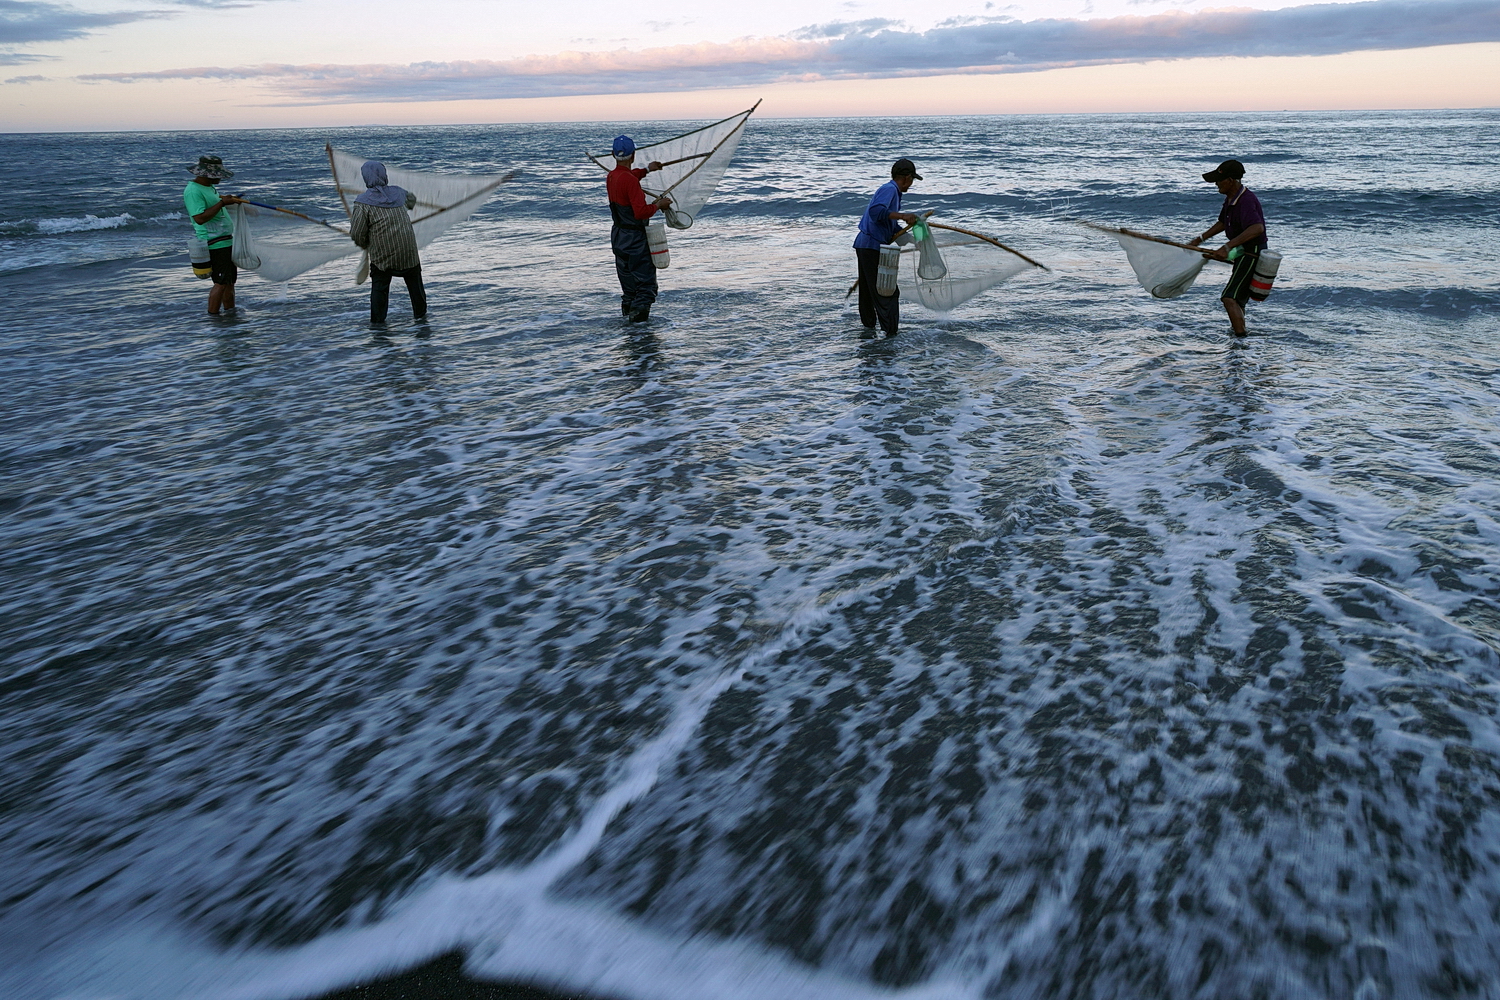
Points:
(205, 207)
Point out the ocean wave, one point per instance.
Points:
(1325, 209)
(84, 224)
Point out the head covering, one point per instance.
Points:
(379, 192)
(905, 168)
(624, 147)
(1233, 169)
(212, 168)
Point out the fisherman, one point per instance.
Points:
(876, 228)
(380, 225)
(1242, 220)
(214, 227)
(627, 204)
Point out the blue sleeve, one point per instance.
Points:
(876, 226)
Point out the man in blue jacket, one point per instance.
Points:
(877, 227)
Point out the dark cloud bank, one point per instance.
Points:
(871, 49)
(23, 22)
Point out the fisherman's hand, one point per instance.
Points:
(662, 202)
(230, 199)
(1220, 254)
(653, 165)
(1195, 241)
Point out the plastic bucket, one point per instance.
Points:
(656, 241)
(198, 253)
(885, 273)
(1265, 274)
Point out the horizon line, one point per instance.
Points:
(616, 121)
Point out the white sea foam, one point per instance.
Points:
(84, 224)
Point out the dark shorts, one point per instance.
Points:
(221, 265)
(1239, 278)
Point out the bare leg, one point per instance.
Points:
(1236, 316)
(216, 299)
(228, 296)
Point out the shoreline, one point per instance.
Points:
(443, 978)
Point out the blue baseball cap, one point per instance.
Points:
(624, 146)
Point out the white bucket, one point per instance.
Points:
(656, 240)
(1264, 275)
(198, 253)
(885, 273)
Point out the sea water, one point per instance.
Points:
(1061, 646)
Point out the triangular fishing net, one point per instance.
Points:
(1164, 271)
(279, 245)
(692, 165)
(969, 265)
(443, 200)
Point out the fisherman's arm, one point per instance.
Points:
(359, 227)
(640, 207)
(1210, 233)
(1249, 234)
(411, 201)
(208, 213)
(882, 213)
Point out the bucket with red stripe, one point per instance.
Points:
(1264, 275)
(656, 241)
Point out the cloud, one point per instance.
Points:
(843, 29)
(26, 79)
(26, 21)
(878, 48)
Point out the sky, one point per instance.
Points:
(182, 64)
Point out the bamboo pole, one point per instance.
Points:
(990, 239)
(711, 152)
(1154, 239)
(333, 169)
(288, 211)
(485, 190)
(684, 159)
(695, 156)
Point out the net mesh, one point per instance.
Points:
(1164, 271)
(930, 266)
(443, 200)
(278, 246)
(970, 267)
(692, 166)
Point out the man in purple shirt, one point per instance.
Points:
(1245, 224)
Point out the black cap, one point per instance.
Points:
(905, 168)
(1229, 168)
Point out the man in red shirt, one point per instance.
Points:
(627, 205)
